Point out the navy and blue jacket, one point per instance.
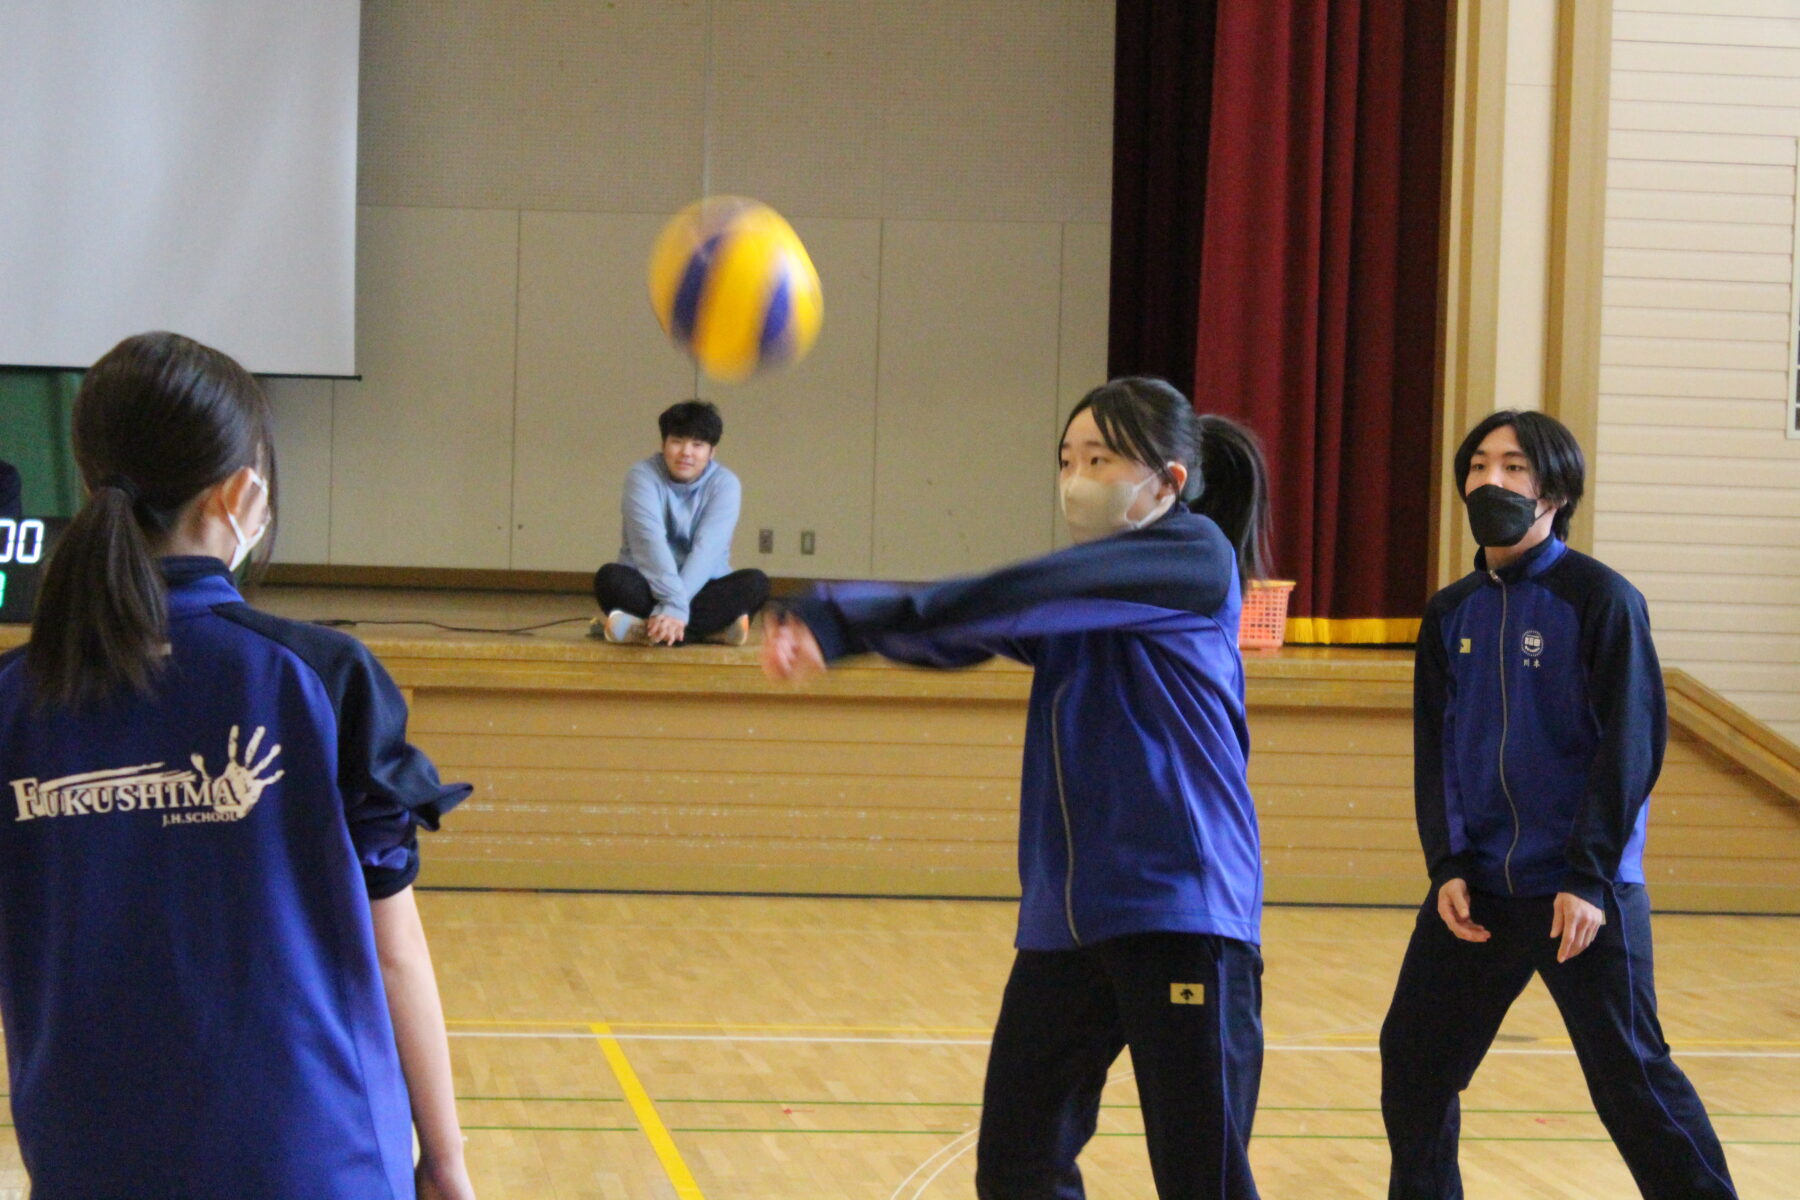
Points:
(1135, 813)
(188, 973)
(1539, 724)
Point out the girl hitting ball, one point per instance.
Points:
(212, 972)
(1139, 861)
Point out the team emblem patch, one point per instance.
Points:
(1532, 643)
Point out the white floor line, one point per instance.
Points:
(962, 1140)
(906, 1041)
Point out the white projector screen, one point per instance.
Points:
(179, 164)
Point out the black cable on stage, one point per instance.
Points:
(345, 622)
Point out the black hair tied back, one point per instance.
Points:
(158, 419)
(1149, 421)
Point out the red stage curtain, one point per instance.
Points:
(1318, 289)
(1162, 101)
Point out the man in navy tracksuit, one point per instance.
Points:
(1539, 726)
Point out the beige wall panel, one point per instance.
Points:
(1711, 499)
(1662, 146)
(1531, 43)
(1717, 414)
(422, 447)
(1687, 532)
(1086, 290)
(1707, 60)
(1721, 444)
(594, 371)
(1747, 619)
(1677, 264)
(1635, 555)
(611, 104)
(1739, 8)
(807, 434)
(1707, 587)
(1703, 25)
(1731, 178)
(1733, 678)
(1683, 234)
(1524, 243)
(797, 105)
(1707, 8)
(1701, 294)
(1688, 381)
(1689, 353)
(1626, 321)
(1774, 91)
(1671, 469)
(561, 104)
(303, 454)
(437, 111)
(1086, 305)
(979, 113)
(1686, 117)
(1088, 92)
(966, 417)
(1634, 203)
(1748, 648)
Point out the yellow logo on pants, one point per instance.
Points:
(1187, 993)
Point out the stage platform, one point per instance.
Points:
(634, 768)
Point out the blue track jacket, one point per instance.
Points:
(1135, 814)
(1539, 725)
(188, 974)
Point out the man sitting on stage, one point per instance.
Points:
(673, 581)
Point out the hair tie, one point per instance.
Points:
(123, 483)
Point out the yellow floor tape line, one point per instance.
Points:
(648, 1121)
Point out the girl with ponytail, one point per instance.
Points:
(213, 977)
(1139, 861)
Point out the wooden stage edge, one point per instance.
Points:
(609, 768)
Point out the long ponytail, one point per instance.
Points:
(158, 419)
(1235, 493)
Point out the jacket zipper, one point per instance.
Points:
(1505, 725)
(1062, 797)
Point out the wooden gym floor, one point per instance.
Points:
(750, 1048)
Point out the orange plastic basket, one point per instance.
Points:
(1263, 625)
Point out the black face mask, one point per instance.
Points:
(1499, 517)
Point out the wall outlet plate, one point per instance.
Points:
(765, 541)
(806, 541)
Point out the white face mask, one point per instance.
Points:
(1095, 510)
(246, 544)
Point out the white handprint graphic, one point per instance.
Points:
(240, 784)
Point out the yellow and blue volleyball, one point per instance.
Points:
(732, 285)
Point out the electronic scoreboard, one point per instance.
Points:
(25, 547)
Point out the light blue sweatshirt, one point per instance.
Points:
(679, 534)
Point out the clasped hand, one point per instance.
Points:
(1574, 920)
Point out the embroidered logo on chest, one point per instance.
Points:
(1532, 643)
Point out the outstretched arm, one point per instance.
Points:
(1170, 571)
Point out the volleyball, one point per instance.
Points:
(732, 286)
